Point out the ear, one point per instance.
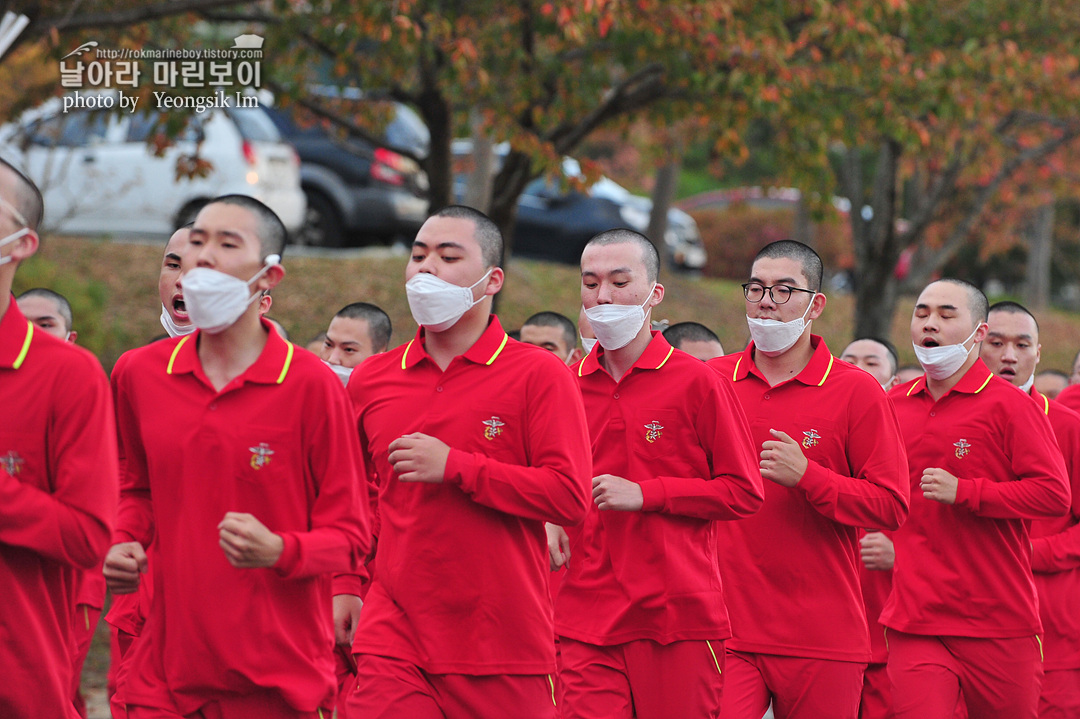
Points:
(657, 295)
(981, 331)
(72, 336)
(270, 279)
(495, 281)
(817, 306)
(576, 356)
(25, 247)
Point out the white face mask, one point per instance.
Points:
(12, 238)
(343, 373)
(615, 326)
(777, 336)
(171, 327)
(1026, 387)
(215, 300)
(588, 343)
(942, 362)
(437, 304)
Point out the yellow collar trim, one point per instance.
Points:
(666, 358)
(498, 352)
(405, 355)
(827, 371)
(175, 352)
(288, 362)
(25, 346)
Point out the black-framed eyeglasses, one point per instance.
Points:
(755, 292)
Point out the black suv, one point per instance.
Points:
(358, 194)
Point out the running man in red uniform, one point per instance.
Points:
(876, 551)
(58, 473)
(831, 451)
(640, 615)
(962, 618)
(1011, 351)
(473, 441)
(240, 466)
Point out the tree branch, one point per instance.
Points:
(963, 228)
(337, 119)
(643, 87)
(120, 18)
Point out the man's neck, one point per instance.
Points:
(227, 355)
(789, 363)
(455, 341)
(618, 362)
(938, 388)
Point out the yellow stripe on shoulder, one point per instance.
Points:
(735, 374)
(175, 352)
(288, 362)
(25, 346)
(983, 385)
(914, 386)
(405, 354)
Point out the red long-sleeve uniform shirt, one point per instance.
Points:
(674, 427)
(1055, 556)
(965, 569)
(276, 442)
(876, 586)
(794, 566)
(461, 572)
(58, 479)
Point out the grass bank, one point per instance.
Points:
(113, 290)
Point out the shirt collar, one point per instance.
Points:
(1041, 399)
(271, 367)
(655, 356)
(16, 332)
(973, 381)
(814, 374)
(484, 351)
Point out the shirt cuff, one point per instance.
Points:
(289, 561)
(120, 537)
(348, 584)
(461, 469)
(814, 480)
(969, 493)
(653, 495)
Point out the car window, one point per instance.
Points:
(73, 129)
(143, 125)
(254, 124)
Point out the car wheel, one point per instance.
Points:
(322, 224)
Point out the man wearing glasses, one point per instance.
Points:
(58, 477)
(834, 460)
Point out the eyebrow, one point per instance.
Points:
(1023, 336)
(616, 271)
(441, 245)
(172, 256)
(924, 306)
(783, 281)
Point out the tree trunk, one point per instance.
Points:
(478, 191)
(515, 174)
(1040, 249)
(877, 248)
(435, 111)
(667, 180)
